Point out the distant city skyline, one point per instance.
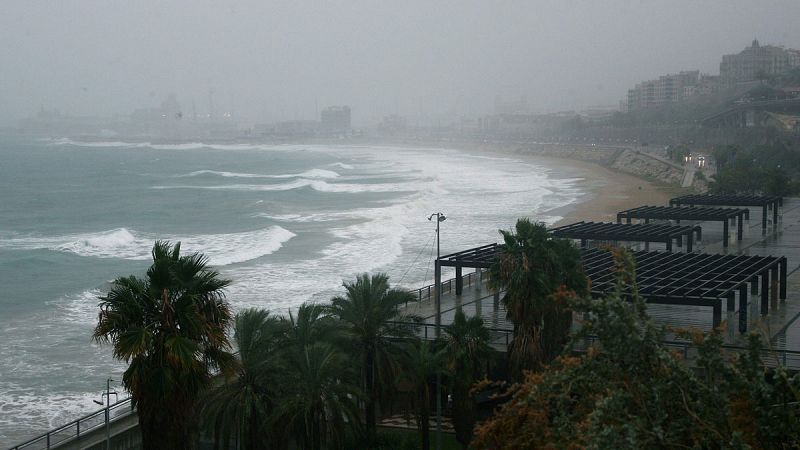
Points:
(267, 61)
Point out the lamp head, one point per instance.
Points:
(442, 218)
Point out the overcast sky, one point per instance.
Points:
(268, 60)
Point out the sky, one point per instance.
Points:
(266, 60)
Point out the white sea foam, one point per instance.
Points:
(222, 249)
(317, 185)
(198, 173)
(313, 173)
(80, 307)
(179, 146)
(479, 195)
(19, 405)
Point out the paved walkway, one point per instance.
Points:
(781, 325)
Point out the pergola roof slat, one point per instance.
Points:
(725, 200)
(660, 275)
(681, 213)
(624, 232)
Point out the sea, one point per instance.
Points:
(286, 223)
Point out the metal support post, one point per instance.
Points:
(717, 314)
(459, 280)
(775, 217)
(743, 308)
(731, 310)
(739, 227)
(725, 231)
(782, 264)
(765, 293)
(773, 297)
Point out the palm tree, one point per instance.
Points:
(308, 326)
(421, 363)
(467, 348)
(371, 321)
(540, 275)
(239, 406)
(318, 401)
(170, 327)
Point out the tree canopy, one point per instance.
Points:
(766, 169)
(539, 275)
(171, 328)
(628, 391)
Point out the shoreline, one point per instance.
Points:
(605, 191)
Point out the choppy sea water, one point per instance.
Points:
(286, 223)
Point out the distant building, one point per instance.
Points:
(393, 124)
(666, 89)
(164, 121)
(168, 111)
(335, 119)
(296, 128)
(757, 62)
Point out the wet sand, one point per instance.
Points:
(607, 192)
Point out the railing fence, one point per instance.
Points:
(78, 428)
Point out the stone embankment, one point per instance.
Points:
(623, 159)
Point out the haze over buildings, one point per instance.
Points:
(266, 62)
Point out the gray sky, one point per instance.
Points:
(268, 60)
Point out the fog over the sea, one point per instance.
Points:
(269, 60)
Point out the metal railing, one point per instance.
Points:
(77, 428)
(771, 357)
(427, 292)
(427, 331)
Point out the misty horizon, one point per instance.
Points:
(265, 62)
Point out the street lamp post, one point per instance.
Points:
(438, 272)
(438, 292)
(107, 395)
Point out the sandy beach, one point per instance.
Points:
(608, 192)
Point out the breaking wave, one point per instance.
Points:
(222, 249)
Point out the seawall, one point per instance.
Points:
(623, 159)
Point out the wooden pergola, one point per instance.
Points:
(678, 213)
(647, 233)
(697, 279)
(765, 202)
(694, 279)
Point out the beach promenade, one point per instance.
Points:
(781, 325)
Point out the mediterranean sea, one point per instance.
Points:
(287, 223)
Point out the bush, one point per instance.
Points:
(630, 392)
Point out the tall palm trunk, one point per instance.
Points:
(463, 413)
(369, 385)
(425, 417)
(316, 434)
